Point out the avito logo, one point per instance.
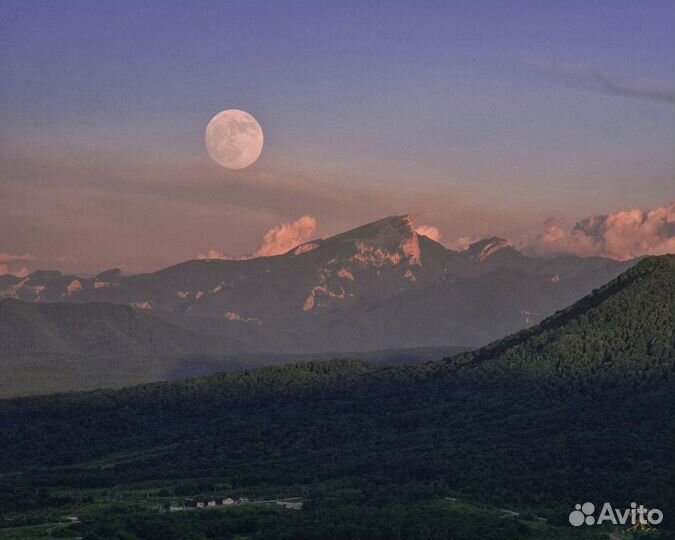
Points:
(584, 514)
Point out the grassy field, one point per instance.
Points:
(125, 505)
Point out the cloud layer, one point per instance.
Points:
(10, 264)
(653, 92)
(594, 79)
(620, 235)
(429, 231)
(286, 236)
(277, 240)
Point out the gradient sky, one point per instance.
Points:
(481, 117)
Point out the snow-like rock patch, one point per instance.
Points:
(528, 316)
(322, 289)
(38, 290)
(375, 256)
(74, 287)
(305, 248)
(346, 274)
(492, 246)
(13, 290)
(234, 316)
(411, 249)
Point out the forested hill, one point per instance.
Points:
(580, 407)
(623, 331)
(98, 330)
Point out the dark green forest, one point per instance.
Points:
(578, 408)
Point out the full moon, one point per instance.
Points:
(234, 139)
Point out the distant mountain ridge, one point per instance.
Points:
(379, 286)
(57, 347)
(94, 329)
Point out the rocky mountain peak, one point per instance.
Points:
(389, 228)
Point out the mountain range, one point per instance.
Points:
(579, 407)
(54, 347)
(379, 286)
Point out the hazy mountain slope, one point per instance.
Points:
(96, 329)
(62, 347)
(580, 407)
(57, 347)
(476, 309)
(368, 288)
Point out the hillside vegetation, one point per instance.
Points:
(624, 331)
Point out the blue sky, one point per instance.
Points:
(517, 110)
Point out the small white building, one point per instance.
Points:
(228, 501)
(200, 504)
(211, 503)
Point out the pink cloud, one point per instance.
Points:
(463, 243)
(9, 258)
(8, 264)
(286, 236)
(429, 231)
(620, 235)
(277, 240)
(6, 269)
(215, 254)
